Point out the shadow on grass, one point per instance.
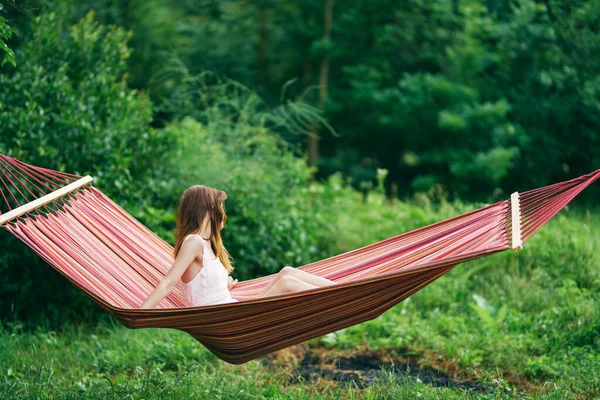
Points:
(362, 368)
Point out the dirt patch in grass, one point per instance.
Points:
(360, 367)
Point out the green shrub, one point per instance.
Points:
(67, 107)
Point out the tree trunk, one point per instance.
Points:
(262, 45)
(313, 140)
(125, 13)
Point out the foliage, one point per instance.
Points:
(80, 116)
(67, 107)
(6, 32)
(478, 96)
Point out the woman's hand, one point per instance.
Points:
(231, 283)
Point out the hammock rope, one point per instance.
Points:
(117, 261)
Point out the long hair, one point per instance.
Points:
(198, 203)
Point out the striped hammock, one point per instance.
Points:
(115, 260)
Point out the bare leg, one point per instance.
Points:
(287, 284)
(271, 284)
(300, 275)
(308, 278)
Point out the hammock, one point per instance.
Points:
(117, 261)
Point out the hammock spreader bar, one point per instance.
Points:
(115, 260)
(31, 206)
(515, 207)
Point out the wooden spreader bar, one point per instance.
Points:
(515, 206)
(32, 205)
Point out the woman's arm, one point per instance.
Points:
(190, 249)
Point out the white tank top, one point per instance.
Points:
(209, 286)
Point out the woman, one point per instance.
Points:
(203, 264)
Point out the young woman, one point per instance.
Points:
(203, 264)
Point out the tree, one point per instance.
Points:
(313, 143)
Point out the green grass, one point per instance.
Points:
(114, 362)
(525, 324)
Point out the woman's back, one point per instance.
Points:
(209, 286)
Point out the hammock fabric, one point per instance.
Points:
(117, 261)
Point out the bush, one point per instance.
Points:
(67, 107)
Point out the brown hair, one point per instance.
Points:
(196, 204)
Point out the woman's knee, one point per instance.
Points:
(287, 270)
(288, 283)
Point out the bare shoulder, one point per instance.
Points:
(193, 243)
